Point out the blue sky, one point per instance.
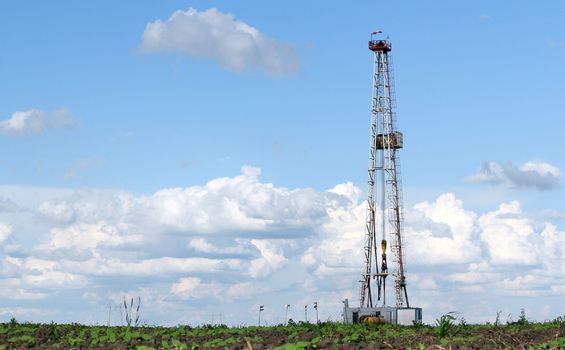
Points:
(129, 130)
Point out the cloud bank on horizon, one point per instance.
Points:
(238, 240)
(218, 36)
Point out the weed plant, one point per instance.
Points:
(129, 310)
(445, 324)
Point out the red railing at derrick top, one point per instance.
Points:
(379, 44)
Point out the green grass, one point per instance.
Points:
(294, 346)
(558, 343)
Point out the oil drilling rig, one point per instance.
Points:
(384, 206)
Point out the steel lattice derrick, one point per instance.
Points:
(383, 180)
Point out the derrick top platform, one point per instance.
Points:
(376, 44)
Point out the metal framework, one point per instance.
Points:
(384, 182)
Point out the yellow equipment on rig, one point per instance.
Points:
(372, 320)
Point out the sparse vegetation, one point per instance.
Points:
(130, 320)
(446, 333)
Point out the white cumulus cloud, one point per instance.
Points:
(83, 237)
(5, 232)
(194, 288)
(272, 258)
(537, 175)
(454, 243)
(218, 36)
(242, 203)
(36, 121)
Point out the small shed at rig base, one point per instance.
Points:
(405, 316)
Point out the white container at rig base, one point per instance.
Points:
(406, 316)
